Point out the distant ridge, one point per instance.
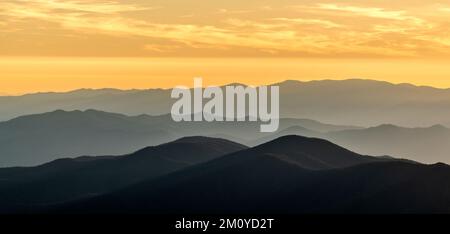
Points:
(282, 83)
(357, 81)
(35, 139)
(343, 102)
(424, 144)
(92, 132)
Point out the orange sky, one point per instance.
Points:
(25, 75)
(56, 45)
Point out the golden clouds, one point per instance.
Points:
(368, 11)
(38, 8)
(168, 28)
(313, 22)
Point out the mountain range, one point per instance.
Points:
(289, 175)
(67, 179)
(36, 139)
(427, 145)
(348, 102)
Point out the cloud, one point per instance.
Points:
(366, 11)
(103, 7)
(309, 30)
(318, 22)
(161, 48)
(227, 11)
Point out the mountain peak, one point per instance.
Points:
(202, 140)
(296, 139)
(190, 150)
(67, 113)
(385, 126)
(199, 139)
(289, 82)
(236, 84)
(312, 153)
(438, 127)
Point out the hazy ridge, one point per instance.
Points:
(347, 102)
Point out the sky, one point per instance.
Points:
(59, 45)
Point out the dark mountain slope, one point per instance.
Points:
(250, 180)
(266, 184)
(294, 130)
(310, 153)
(385, 187)
(68, 179)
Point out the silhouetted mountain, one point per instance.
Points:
(36, 139)
(309, 153)
(347, 102)
(294, 130)
(69, 179)
(270, 179)
(251, 174)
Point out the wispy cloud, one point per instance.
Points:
(367, 11)
(316, 22)
(103, 7)
(326, 29)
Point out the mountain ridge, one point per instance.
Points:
(242, 183)
(423, 144)
(67, 179)
(92, 132)
(285, 82)
(341, 102)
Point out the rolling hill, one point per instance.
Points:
(69, 179)
(274, 179)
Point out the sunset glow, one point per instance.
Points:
(56, 45)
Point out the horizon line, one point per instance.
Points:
(6, 94)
